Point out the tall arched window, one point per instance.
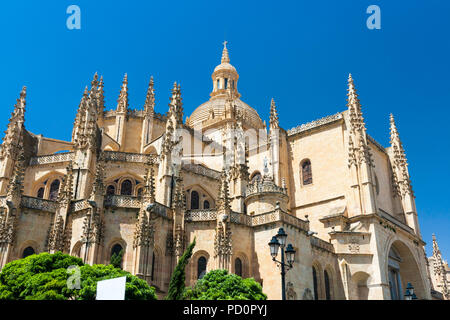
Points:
(126, 188)
(27, 252)
(316, 294)
(195, 199)
(306, 172)
(54, 188)
(201, 267)
(327, 285)
(40, 193)
(111, 190)
(206, 204)
(238, 267)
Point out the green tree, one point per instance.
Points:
(44, 277)
(116, 260)
(221, 285)
(177, 282)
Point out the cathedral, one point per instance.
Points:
(147, 184)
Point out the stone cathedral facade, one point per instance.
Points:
(148, 184)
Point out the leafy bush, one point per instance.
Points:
(221, 285)
(177, 282)
(44, 277)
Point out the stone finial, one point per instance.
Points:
(122, 102)
(100, 97)
(149, 105)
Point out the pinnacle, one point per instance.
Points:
(94, 82)
(225, 56)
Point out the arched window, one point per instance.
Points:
(126, 188)
(117, 250)
(140, 191)
(54, 188)
(316, 294)
(27, 252)
(195, 200)
(238, 267)
(201, 267)
(206, 204)
(111, 190)
(40, 193)
(226, 83)
(327, 285)
(306, 172)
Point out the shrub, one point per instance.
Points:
(221, 285)
(44, 277)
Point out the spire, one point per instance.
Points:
(100, 98)
(439, 269)
(80, 118)
(354, 106)
(225, 56)
(176, 105)
(122, 102)
(400, 164)
(274, 123)
(13, 134)
(149, 105)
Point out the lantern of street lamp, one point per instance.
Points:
(281, 237)
(290, 254)
(274, 245)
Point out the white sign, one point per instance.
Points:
(112, 289)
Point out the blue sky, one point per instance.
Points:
(299, 52)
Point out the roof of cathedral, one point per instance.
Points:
(216, 108)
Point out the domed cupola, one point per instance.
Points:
(225, 77)
(224, 103)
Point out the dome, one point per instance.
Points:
(224, 97)
(225, 66)
(214, 111)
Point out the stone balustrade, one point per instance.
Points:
(122, 201)
(52, 158)
(322, 244)
(39, 204)
(201, 215)
(127, 157)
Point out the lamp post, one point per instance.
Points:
(280, 241)
(409, 293)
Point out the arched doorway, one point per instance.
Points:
(401, 268)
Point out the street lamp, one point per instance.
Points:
(409, 294)
(280, 241)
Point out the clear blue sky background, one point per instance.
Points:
(299, 52)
